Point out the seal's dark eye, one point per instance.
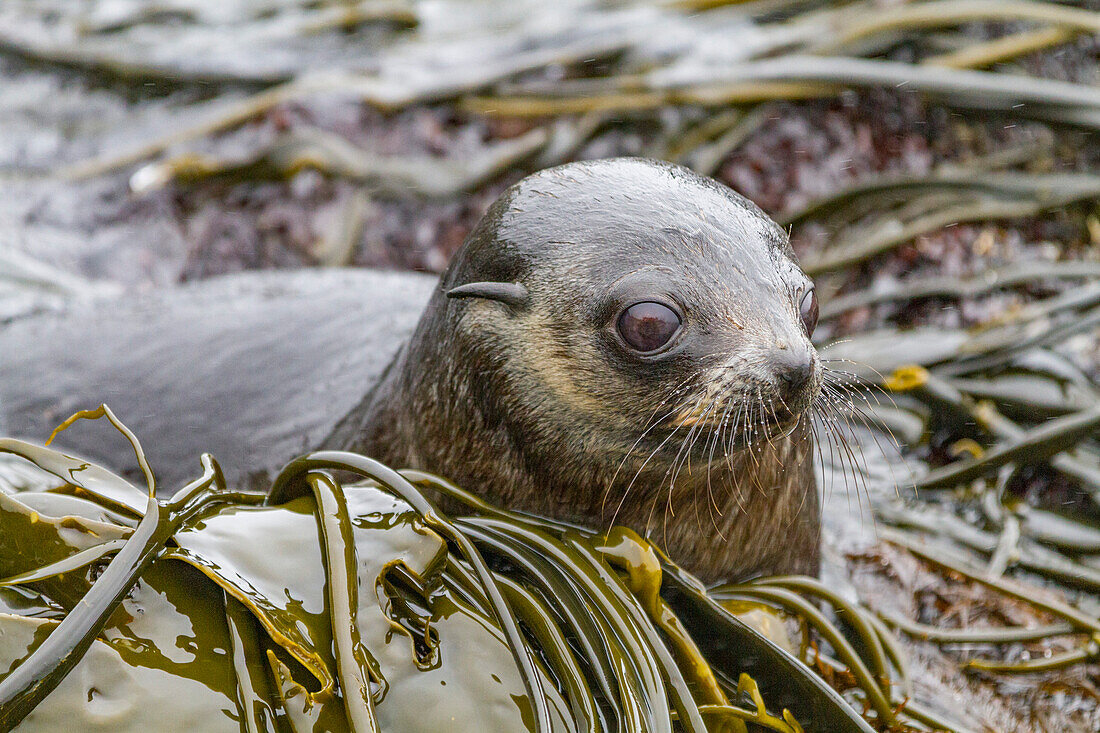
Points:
(808, 310)
(648, 326)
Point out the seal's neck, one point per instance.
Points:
(754, 512)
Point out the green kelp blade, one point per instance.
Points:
(357, 672)
(729, 645)
(476, 685)
(643, 696)
(107, 691)
(872, 354)
(436, 655)
(161, 658)
(606, 656)
(52, 504)
(1042, 443)
(255, 691)
(30, 540)
(75, 562)
(20, 601)
(733, 648)
(558, 606)
(1027, 396)
(557, 652)
(103, 412)
(269, 559)
(36, 676)
(289, 484)
(114, 602)
(447, 665)
(114, 490)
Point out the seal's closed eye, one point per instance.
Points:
(512, 294)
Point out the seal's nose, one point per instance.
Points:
(793, 368)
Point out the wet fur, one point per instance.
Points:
(535, 407)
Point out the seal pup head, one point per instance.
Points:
(635, 303)
(612, 337)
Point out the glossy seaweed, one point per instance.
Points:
(360, 606)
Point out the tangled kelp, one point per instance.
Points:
(999, 426)
(510, 58)
(188, 99)
(359, 606)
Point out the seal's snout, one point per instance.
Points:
(795, 370)
(794, 374)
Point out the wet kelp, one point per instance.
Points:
(997, 490)
(359, 112)
(527, 59)
(357, 605)
(343, 599)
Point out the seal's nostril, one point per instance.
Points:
(794, 370)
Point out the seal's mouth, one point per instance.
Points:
(743, 423)
(784, 419)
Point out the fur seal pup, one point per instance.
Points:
(617, 341)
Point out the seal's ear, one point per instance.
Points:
(512, 294)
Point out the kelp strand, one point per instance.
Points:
(625, 549)
(955, 287)
(795, 76)
(746, 686)
(1004, 635)
(951, 406)
(955, 12)
(1073, 616)
(1006, 48)
(332, 155)
(1024, 553)
(1016, 341)
(73, 562)
(1089, 653)
(1040, 444)
(52, 660)
(353, 661)
(868, 635)
(287, 485)
(892, 647)
(256, 711)
(104, 411)
(625, 625)
(699, 610)
(878, 697)
(678, 691)
(687, 600)
(862, 245)
(955, 180)
(609, 647)
(97, 482)
(539, 619)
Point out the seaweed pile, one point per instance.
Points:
(330, 605)
(582, 630)
(993, 508)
